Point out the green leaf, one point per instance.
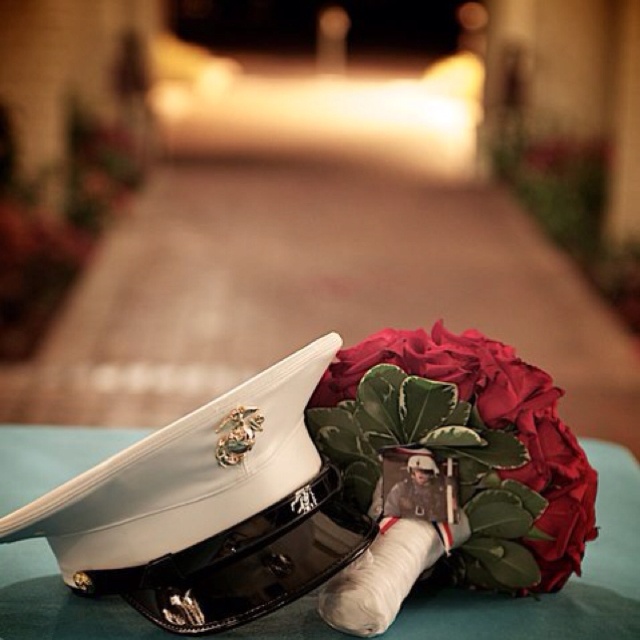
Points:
(491, 496)
(334, 417)
(347, 405)
(491, 480)
(390, 372)
(337, 434)
(377, 407)
(499, 519)
(460, 414)
(475, 421)
(359, 482)
(484, 549)
(537, 534)
(452, 436)
(425, 405)
(517, 569)
(477, 575)
(532, 501)
(466, 492)
(340, 446)
(503, 451)
(471, 471)
(377, 440)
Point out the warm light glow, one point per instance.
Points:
(216, 77)
(460, 75)
(173, 59)
(427, 125)
(172, 100)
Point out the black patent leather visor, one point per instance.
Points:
(265, 580)
(252, 569)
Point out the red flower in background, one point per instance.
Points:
(507, 391)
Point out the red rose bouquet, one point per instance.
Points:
(525, 485)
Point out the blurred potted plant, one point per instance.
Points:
(38, 257)
(618, 275)
(42, 252)
(562, 182)
(102, 171)
(38, 262)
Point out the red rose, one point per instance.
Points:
(503, 384)
(507, 385)
(341, 380)
(507, 391)
(415, 352)
(560, 472)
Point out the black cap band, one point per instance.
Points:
(178, 569)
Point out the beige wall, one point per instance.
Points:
(572, 80)
(566, 52)
(624, 214)
(34, 68)
(582, 75)
(50, 49)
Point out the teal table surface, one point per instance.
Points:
(603, 603)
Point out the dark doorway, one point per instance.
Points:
(289, 26)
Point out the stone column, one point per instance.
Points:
(36, 49)
(623, 220)
(572, 80)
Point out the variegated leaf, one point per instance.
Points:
(425, 405)
(532, 501)
(377, 407)
(335, 417)
(452, 436)
(347, 405)
(503, 451)
(339, 445)
(460, 415)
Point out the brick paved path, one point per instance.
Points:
(229, 264)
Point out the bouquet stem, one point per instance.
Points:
(365, 597)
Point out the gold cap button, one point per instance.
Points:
(83, 582)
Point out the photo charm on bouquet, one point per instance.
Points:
(416, 485)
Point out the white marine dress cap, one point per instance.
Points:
(223, 516)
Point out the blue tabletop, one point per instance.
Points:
(604, 602)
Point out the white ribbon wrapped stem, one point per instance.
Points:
(365, 597)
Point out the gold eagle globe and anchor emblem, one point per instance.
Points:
(243, 423)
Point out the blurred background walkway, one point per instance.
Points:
(260, 231)
(292, 193)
